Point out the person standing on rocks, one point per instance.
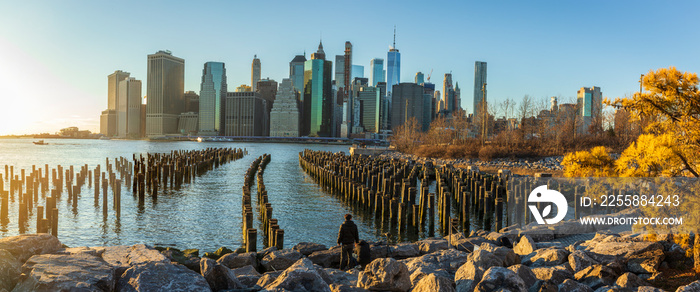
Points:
(347, 237)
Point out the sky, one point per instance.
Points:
(55, 56)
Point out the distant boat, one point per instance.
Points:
(40, 142)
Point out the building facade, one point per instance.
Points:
(376, 71)
(318, 103)
(268, 90)
(393, 69)
(590, 102)
(449, 93)
(191, 102)
(408, 101)
(296, 72)
(479, 86)
(108, 118)
(244, 114)
(129, 109)
(165, 90)
(212, 98)
(255, 73)
(284, 117)
(370, 100)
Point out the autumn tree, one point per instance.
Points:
(407, 136)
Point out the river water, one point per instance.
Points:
(205, 214)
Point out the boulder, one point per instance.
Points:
(451, 259)
(300, 276)
(9, 270)
(188, 258)
(484, 259)
(218, 276)
(123, 257)
(525, 245)
(280, 259)
(692, 287)
(500, 279)
(405, 250)
(247, 275)
(650, 289)
(326, 258)
(596, 276)
(346, 288)
(377, 251)
(421, 272)
(468, 276)
(506, 254)
(630, 280)
(239, 260)
(547, 257)
(556, 274)
(434, 283)
(646, 262)
(218, 253)
(572, 286)
(158, 276)
(268, 278)
(431, 245)
(61, 272)
(525, 274)
(385, 274)
(613, 246)
(307, 248)
(341, 277)
(24, 246)
(579, 260)
(543, 286)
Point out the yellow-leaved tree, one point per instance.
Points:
(594, 163)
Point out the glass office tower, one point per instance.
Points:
(211, 99)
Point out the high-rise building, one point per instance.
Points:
(347, 65)
(393, 69)
(113, 88)
(369, 99)
(376, 74)
(129, 109)
(590, 102)
(165, 90)
(296, 72)
(244, 114)
(419, 78)
(268, 90)
(191, 102)
(188, 123)
(408, 101)
(479, 85)
(339, 74)
(458, 97)
(358, 71)
(255, 73)
(429, 111)
(449, 93)
(318, 104)
(284, 117)
(212, 98)
(108, 122)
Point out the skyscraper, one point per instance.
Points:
(590, 102)
(165, 89)
(212, 98)
(393, 66)
(479, 85)
(108, 119)
(244, 114)
(376, 71)
(268, 90)
(296, 72)
(358, 71)
(419, 79)
(255, 73)
(449, 93)
(284, 118)
(369, 98)
(408, 101)
(317, 103)
(347, 64)
(339, 73)
(458, 97)
(129, 108)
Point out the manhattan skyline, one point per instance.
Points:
(55, 57)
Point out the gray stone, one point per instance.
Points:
(555, 274)
(431, 245)
(247, 275)
(484, 259)
(596, 276)
(421, 272)
(451, 259)
(500, 279)
(9, 270)
(525, 245)
(547, 257)
(24, 246)
(649, 289)
(341, 277)
(61, 272)
(692, 287)
(525, 274)
(123, 257)
(434, 283)
(507, 255)
(326, 258)
(468, 276)
(572, 286)
(157, 276)
(630, 280)
(300, 276)
(579, 260)
(385, 274)
(346, 288)
(280, 259)
(268, 278)
(238, 260)
(405, 250)
(218, 276)
(543, 286)
(307, 248)
(646, 262)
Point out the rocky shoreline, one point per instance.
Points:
(545, 164)
(482, 261)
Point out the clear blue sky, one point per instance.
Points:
(55, 55)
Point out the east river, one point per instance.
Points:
(205, 214)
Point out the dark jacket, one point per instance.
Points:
(348, 233)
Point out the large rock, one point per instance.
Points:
(596, 276)
(385, 274)
(300, 276)
(268, 278)
(572, 286)
(123, 257)
(468, 276)
(500, 279)
(692, 287)
(280, 259)
(24, 246)
(506, 254)
(647, 262)
(9, 270)
(630, 280)
(556, 274)
(579, 260)
(405, 250)
(218, 276)
(157, 276)
(431, 245)
(346, 288)
(547, 257)
(525, 245)
(238, 260)
(326, 258)
(525, 274)
(341, 277)
(307, 248)
(484, 259)
(418, 274)
(614, 246)
(434, 283)
(247, 275)
(188, 258)
(451, 259)
(62, 272)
